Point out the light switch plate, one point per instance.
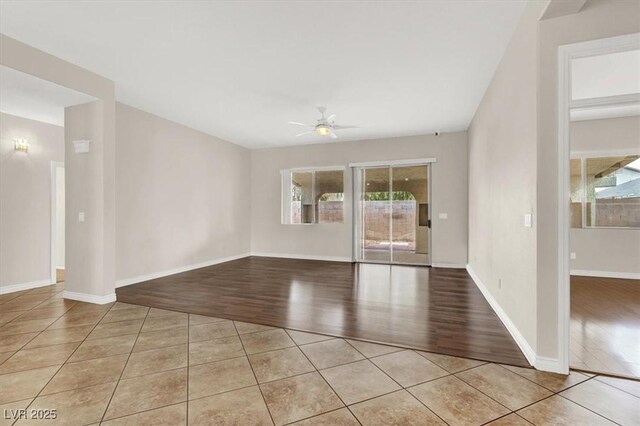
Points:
(528, 220)
(81, 217)
(443, 215)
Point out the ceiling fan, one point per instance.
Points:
(325, 126)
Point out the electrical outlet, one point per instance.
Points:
(573, 256)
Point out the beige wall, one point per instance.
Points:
(598, 19)
(85, 266)
(94, 279)
(25, 199)
(606, 250)
(502, 180)
(449, 241)
(512, 167)
(183, 197)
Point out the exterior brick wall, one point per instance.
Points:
(331, 211)
(618, 212)
(376, 216)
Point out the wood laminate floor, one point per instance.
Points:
(437, 310)
(605, 325)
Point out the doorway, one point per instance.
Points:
(599, 172)
(393, 214)
(57, 221)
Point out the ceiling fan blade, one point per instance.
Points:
(345, 127)
(299, 124)
(332, 134)
(331, 118)
(304, 133)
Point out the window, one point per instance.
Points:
(605, 192)
(313, 196)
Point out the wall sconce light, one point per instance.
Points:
(21, 145)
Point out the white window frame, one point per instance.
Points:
(583, 156)
(285, 191)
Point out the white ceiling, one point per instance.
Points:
(27, 96)
(242, 70)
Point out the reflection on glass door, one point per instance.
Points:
(392, 214)
(376, 211)
(410, 217)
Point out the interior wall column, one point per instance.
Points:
(90, 177)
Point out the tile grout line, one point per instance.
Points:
(63, 364)
(402, 387)
(106, 408)
(585, 407)
(323, 378)
(137, 412)
(29, 341)
(450, 374)
(36, 308)
(498, 402)
(589, 409)
(553, 393)
(561, 396)
(219, 360)
(253, 372)
(510, 411)
(531, 381)
(321, 414)
(37, 332)
(506, 415)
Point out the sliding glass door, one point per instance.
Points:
(376, 212)
(392, 215)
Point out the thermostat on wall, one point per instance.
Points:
(81, 146)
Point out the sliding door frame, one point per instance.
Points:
(358, 193)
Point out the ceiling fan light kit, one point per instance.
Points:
(322, 130)
(325, 126)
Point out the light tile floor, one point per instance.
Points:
(122, 364)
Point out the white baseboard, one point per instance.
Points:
(304, 256)
(60, 267)
(526, 349)
(552, 365)
(25, 286)
(448, 265)
(606, 274)
(153, 276)
(539, 362)
(89, 298)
